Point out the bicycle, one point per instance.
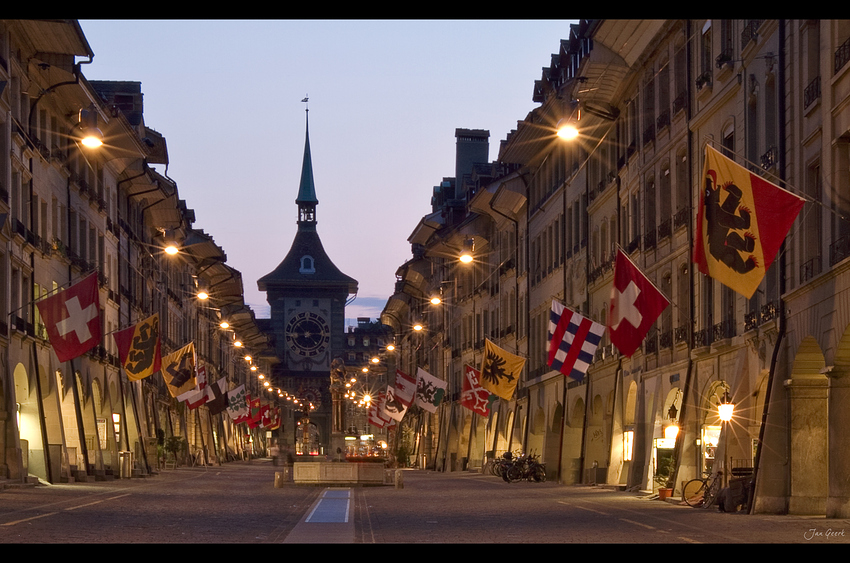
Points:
(702, 492)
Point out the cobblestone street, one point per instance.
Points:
(237, 503)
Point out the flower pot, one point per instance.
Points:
(665, 493)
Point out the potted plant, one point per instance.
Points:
(663, 475)
(174, 445)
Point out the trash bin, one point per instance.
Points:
(125, 464)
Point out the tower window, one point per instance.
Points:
(307, 265)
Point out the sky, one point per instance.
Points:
(385, 98)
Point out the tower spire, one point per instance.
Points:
(306, 199)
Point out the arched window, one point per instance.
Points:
(307, 265)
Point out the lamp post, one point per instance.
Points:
(725, 410)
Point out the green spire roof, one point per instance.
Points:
(307, 190)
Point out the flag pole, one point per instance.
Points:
(41, 417)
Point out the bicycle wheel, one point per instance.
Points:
(711, 492)
(538, 474)
(514, 473)
(693, 492)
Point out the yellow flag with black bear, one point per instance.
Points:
(741, 223)
(139, 348)
(500, 370)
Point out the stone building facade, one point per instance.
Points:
(68, 210)
(547, 217)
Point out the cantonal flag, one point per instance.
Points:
(393, 406)
(573, 340)
(741, 224)
(376, 412)
(178, 370)
(430, 390)
(473, 396)
(218, 400)
(500, 370)
(237, 404)
(139, 348)
(405, 388)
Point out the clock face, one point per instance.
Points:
(308, 334)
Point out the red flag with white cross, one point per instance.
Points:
(72, 318)
(635, 305)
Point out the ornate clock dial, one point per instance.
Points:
(307, 334)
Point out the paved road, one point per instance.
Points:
(237, 503)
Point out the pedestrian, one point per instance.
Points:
(275, 451)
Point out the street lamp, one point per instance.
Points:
(92, 137)
(726, 409)
(466, 253)
(567, 129)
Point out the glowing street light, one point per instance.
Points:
(567, 129)
(726, 408)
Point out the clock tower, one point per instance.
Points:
(307, 294)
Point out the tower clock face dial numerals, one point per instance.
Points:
(308, 334)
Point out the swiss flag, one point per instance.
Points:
(72, 319)
(635, 304)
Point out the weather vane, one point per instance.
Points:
(305, 100)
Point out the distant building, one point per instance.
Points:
(307, 294)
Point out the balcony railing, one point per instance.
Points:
(664, 228)
(839, 250)
(810, 269)
(680, 334)
(651, 342)
(722, 330)
(681, 218)
(842, 55)
(770, 157)
(812, 92)
(649, 240)
(749, 32)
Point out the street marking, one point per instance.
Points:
(582, 507)
(30, 518)
(83, 505)
(96, 502)
(332, 507)
(637, 523)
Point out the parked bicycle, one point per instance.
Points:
(525, 466)
(702, 492)
(498, 465)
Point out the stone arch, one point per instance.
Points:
(672, 401)
(557, 418)
(538, 421)
(577, 416)
(597, 411)
(709, 399)
(29, 420)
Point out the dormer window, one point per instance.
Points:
(307, 265)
